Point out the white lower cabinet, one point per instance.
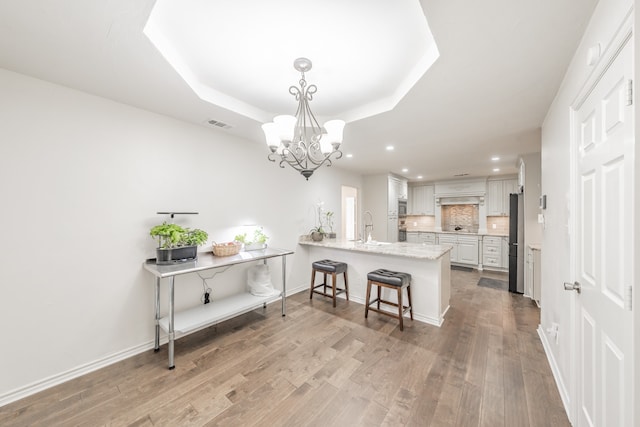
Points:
(495, 252)
(421, 237)
(532, 276)
(465, 248)
(428, 238)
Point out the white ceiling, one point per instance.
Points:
(501, 63)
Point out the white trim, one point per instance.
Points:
(562, 388)
(62, 377)
(54, 380)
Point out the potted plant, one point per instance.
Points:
(328, 218)
(258, 241)
(317, 233)
(176, 243)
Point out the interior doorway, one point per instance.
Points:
(349, 212)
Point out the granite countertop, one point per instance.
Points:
(403, 249)
(488, 233)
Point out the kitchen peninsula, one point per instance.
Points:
(429, 266)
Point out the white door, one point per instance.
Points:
(602, 249)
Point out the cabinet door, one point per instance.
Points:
(495, 198)
(392, 195)
(509, 186)
(528, 278)
(413, 237)
(404, 190)
(417, 201)
(429, 200)
(392, 229)
(450, 241)
(505, 252)
(468, 251)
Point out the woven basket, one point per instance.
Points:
(225, 249)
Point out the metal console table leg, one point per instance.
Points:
(156, 347)
(171, 324)
(284, 286)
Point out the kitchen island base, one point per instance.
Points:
(428, 265)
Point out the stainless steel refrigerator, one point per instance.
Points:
(516, 243)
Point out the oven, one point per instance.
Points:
(402, 230)
(402, 207)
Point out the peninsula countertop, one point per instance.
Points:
(402, 249)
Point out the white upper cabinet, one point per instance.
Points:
(498, 196)
(397, 189)
(421, 200)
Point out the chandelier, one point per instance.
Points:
(300, 141)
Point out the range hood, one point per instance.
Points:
(467, 192)
(468, 200)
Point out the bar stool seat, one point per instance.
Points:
(327, 266)
(391, 280)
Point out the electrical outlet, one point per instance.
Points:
(415, 224)
(553, 331)
(493, 226)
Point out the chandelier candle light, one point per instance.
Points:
(300, 141)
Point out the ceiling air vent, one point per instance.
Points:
(219, 124)
(461, 174)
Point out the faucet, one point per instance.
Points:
(367, 226)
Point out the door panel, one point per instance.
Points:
(602, 249)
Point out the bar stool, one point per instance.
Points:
(392, 280)
(327, 266)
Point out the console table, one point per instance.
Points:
(216, 311)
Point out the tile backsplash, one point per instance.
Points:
(464, 216)
(501, 225)
(420, 222)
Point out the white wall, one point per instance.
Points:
(555, 160)
(81, 180)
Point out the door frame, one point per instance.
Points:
(624, 34)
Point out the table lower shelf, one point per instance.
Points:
(216, 311)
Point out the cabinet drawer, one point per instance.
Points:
(490, 249)
(492, 261)
(492, 240)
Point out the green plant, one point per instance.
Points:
(328, 217)
(173, 236)
(317, 229)
(258, 237)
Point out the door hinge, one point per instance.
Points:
(629, 92)
(628, 298)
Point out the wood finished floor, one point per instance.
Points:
(321, 366)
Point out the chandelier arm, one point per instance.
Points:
(292, 159)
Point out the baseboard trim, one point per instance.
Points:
(562, 388)
(54, 380)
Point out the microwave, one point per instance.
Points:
(402, 207)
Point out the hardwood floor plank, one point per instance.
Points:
(322, 366)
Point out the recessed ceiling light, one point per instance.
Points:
(496, 169)
(495, 158)
(390, 147)
(348, 156)
(419, 176)
(405, 170)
